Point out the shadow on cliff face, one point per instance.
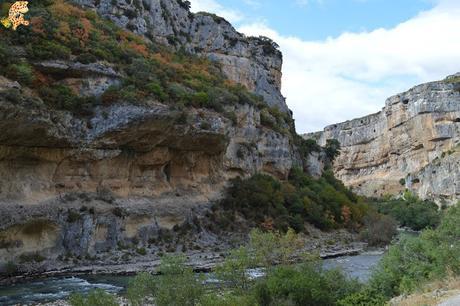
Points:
(101, 229)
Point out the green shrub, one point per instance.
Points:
(324, 202)
(332, 148)
(21, 72)
(200, 99)
(306, 284)
(228, 299)
(96, 297)
(177, 285)
(156, 89)
(129, 94)
(141, 251)
(142, 286)
(266, 119)
(364, 297)
(177, 91)
(86, 58)
(307, 146)
(235, 269)
(48, 49)
(283, 284)
(414, 261)
(61, 97)
(411, 212)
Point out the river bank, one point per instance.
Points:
(325, 245)
(53, 291)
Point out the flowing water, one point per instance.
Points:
(359, 266)
(56, 288)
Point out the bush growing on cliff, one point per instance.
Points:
(332, 149)
(21, 72)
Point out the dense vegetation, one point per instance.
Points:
(410, 211)
(324, 202)
(409, 264)
(414, 261)
(61, 31)
(284, 284)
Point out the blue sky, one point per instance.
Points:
(319, 19)
(343, 58)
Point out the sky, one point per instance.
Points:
(343, 58)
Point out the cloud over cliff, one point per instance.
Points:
(344, 77)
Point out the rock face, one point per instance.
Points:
(414, 143)
(128, 180)
(125, 182)
(253, 62)
(121, 179)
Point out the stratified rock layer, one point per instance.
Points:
(412, 143)
(250, 61)
(126, 181)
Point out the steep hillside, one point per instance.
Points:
(115, 145)
(414, 143)
(250, 61)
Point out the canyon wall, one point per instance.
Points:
(413, 143)
(127, 182)
(250, 61)
(124, 177)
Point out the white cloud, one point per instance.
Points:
(351, 75)
(341, 78)
(213, 6)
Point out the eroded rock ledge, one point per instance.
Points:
(123, 178)
(414, 143)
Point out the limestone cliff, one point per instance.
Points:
(251, 61)
(414, 143)
(128, 178)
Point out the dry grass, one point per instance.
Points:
(432, 294)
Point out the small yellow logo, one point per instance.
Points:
(16, 15)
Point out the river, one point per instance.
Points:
(55, 288)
